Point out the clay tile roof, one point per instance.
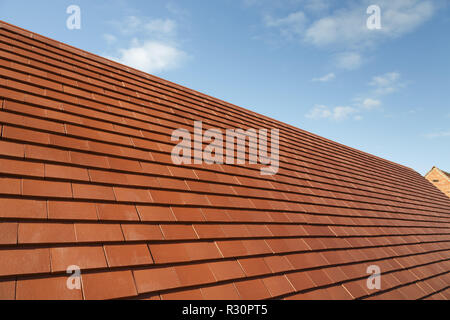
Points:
(446, 173)
(87, 180)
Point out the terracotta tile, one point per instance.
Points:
(124, 164)
(195, 274)
(188, 214)
(216, 215)
(22, 168)
(194, 294)
(117, 212)
(300, 280)
(108, 177)
(12, 149)
(226, 270)
(278, 264)
(66, 210)
(24, 261)
(255, 247)
(202, 251)
(25, 135)
(90, 160)
(140, 180)
(85, 257)
(166, 197)
(85, 191)
(221, 292)
(178, 232)
(169, 252)
(8, 290)
(95, 232)
(108, 285)
(41, 188)
(319, 294)
(46, 233)
(45, 153)
(233, 248)
(155, 213)
(20, 208)
(235, 231)
(132, 195)
(252, 290)
(128, 255)
(278, 285)
(155, 279)
(65, 172)
(319, 277)
(154, 168)
(209, 231)
(10, 186)
(8, 232)
(254, 266)
(335, 274)
(133, 232)
(55, 289)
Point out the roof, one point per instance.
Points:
(446, 174)
(88, 180)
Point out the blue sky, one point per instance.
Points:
(310, 63)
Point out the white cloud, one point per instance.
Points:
(150, 56)
(129, 25)
(289, 26)
(385, 80)
(133, 25)
(325, 78)
(160, 26)
(370, 104)
(441, 134)
(347, 27)
(154, 47)
(348, 60)
(336, 113)
(387, 83)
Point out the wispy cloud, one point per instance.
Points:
(440, 134)
(290, 26)
(337, 113)
(146, 44)
(370, 103)
(150, 56)
(325, 78)
(344, 29)
(348, 60)
(362, 104)
(387, 83)
(347, 27)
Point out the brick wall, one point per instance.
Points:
(440, 180)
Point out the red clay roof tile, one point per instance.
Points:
(88, 180)
(85, 257)
(55, 289)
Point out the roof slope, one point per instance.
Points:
(87, 180)
(446, 173)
